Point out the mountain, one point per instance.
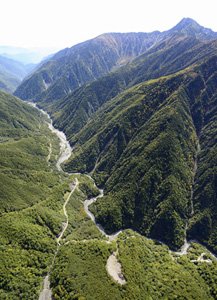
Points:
(14, 67)
(191, 28)
(26, 56)
(139, 111)
(11, 73)
(141, 147)
(72, 67)
(106, 121)
(166, 58)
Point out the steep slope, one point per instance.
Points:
(85, 62)
(71, 68)
(189, 27)
(17, 118)
(203, 224)
(72, 112)
(141, 147)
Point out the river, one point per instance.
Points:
(65, 153)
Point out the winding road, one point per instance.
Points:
(65, 225)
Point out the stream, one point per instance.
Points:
(65, 153)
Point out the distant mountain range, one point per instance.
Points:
(16, 63)
(138, 107)
(26, 56)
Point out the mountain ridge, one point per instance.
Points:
(72, 67)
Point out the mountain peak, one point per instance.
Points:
(190, 27)
(185, 22)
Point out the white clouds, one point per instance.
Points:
(64, 23)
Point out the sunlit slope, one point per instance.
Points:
(72, 67)
(141, 146)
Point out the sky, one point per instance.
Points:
(64, 23)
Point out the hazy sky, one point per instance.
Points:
(64, 23)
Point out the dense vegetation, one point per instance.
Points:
(151, 271)
(136, 148)
(31, 199)
(139, 137)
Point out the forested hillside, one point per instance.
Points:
(72, 112)
(32, 197)
(28, 219)
(141, 148)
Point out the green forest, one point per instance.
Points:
(141, 147)
(31, 219)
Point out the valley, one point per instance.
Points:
(113, 266)
(108, 186)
